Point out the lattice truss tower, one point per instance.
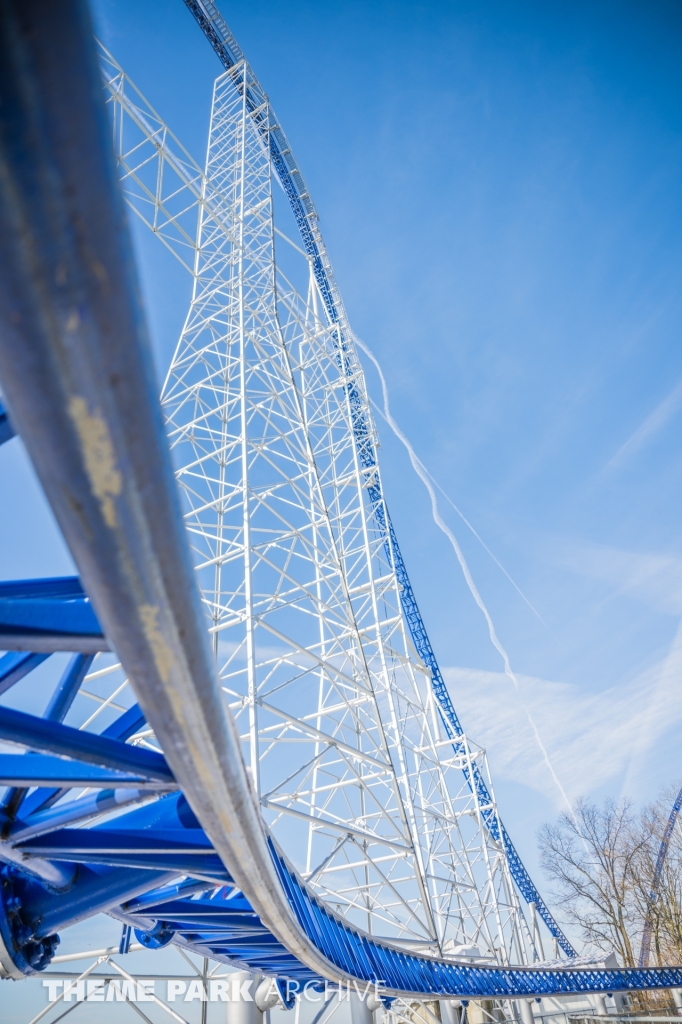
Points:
(357, 778)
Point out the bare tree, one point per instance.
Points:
(658, 893)
(594, 857)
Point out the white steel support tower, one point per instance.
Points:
(355, 775)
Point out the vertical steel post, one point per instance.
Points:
(242, 1007)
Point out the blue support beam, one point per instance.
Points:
(125, 726)
(93, 892)
(167, 893)
(15, 665)
(40, 770)
(6, 428)
(43, 616)
(73, 812)
(186, 851)
(30, 913)
(60, 702)
(102, 840)
(68, 686)
(54, 738)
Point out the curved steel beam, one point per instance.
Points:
(77, 374)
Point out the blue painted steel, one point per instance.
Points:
(42, 770)
(68, 686)
(30, 913)
(28, 953)
(125, 726)
(56, 711)
(6, 428)
(15, 665)
(399, 970)
(221, 924)
(645, 949)
(229, 53)
(54, 738)
(72, 812)
(163, 834)
(153, 898)
(48, 615)
(92, 891)
(183, 851)
(157, 937)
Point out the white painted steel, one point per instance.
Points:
(336, 714)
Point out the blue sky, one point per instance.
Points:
(498, 185)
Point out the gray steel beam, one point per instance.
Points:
(78, 380)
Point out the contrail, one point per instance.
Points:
(440, 522)
(466, 522)
(646, 430)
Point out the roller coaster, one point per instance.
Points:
(249, 749)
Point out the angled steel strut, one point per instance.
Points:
(226, 47)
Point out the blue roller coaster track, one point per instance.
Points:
(186, 858)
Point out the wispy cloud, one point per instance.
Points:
(594, 741)
(589, 741)
(654, 422)
(466, 522)
(663, 695)
(655, 579)
(426, 479)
